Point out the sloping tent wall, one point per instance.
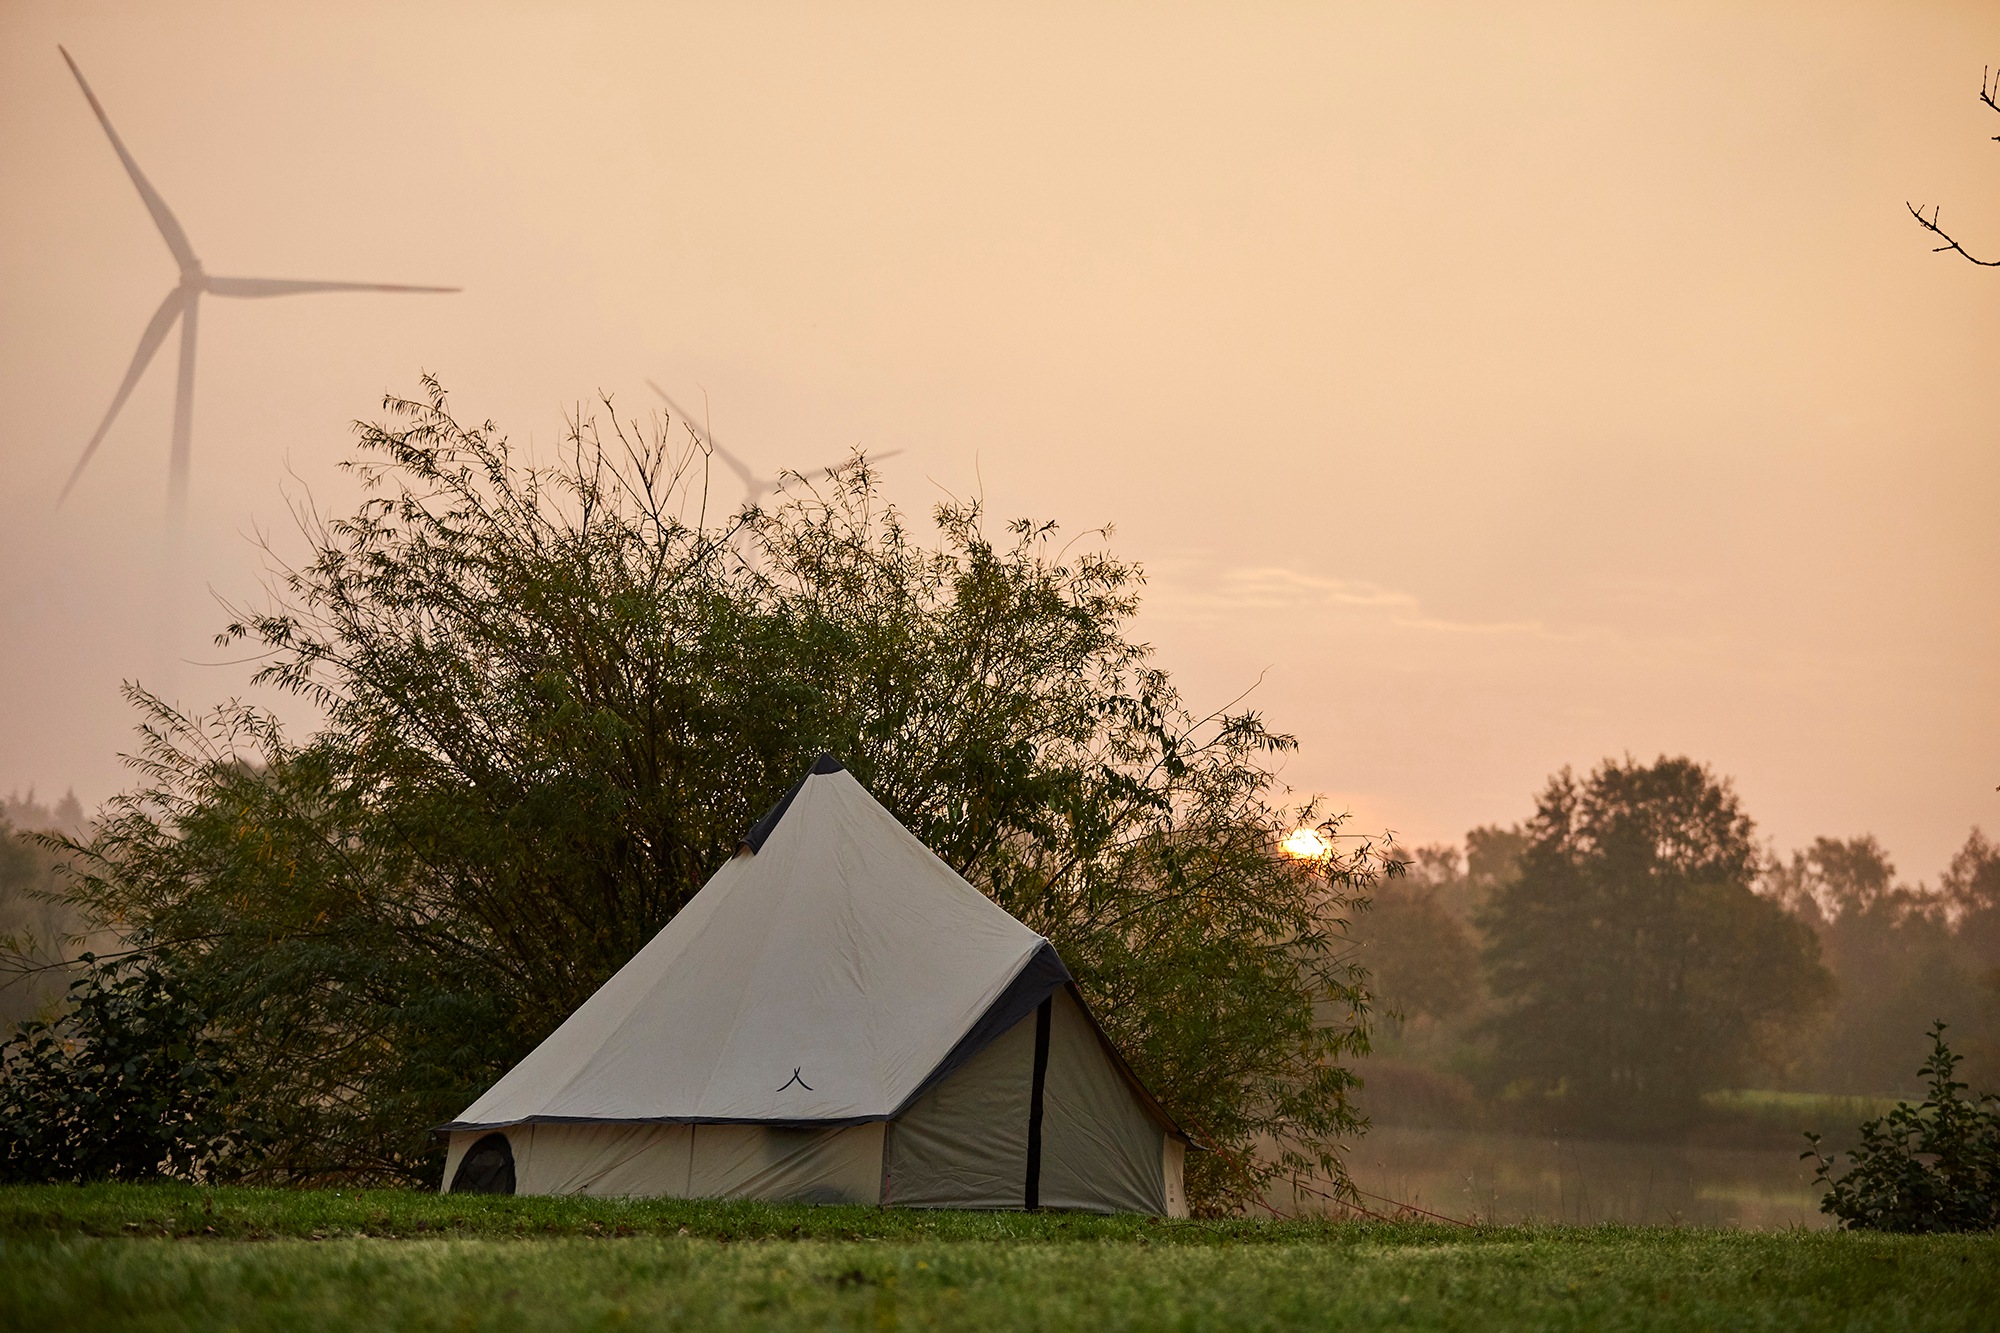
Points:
(836, 1017)
(966, 1142)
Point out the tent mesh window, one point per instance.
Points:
(488, 1168)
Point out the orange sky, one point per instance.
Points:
(1511, 391)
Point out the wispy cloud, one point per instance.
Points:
(1193, 589)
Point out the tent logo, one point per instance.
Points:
(795, 1079)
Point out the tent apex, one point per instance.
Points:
(762, 829)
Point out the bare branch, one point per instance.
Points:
(1930, 224)
(1989, 93)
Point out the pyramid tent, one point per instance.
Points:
(836, 1016)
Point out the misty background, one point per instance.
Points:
(1495, 393)
(1508, 393)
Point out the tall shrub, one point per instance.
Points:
(555, 696)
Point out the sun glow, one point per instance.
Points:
(1305, 844)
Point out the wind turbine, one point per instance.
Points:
(755, 488)
(183, 303)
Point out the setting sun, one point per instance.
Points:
(1305, 844)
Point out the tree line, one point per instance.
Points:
(37, 925)
(1632, 948)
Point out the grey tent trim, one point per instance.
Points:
(839, 1122)
(1040, 977)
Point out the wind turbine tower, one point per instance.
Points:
(183, 303)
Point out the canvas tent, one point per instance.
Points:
(838, 1017)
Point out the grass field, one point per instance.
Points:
(178, 1257)
(1790, 1114)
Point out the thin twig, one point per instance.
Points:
(1989, 93)
(1930, 224)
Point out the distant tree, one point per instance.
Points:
(1493, 855)
(1835, 878)
(37, 928)
(556, 696)
(1970, 888)
(1989, 93)
(1891, 950)
(1632, 965)
(1421, 961)
(30, 816)
(1461, 884)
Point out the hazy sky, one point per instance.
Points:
(1510, 386)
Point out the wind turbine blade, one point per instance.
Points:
(149, 343)
(729, 460)
(163, 217)
(675, 408)
(742, 469)
(254, 287)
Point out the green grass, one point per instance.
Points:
(177, 1257)
(1766, 1117)
(1823, 1110)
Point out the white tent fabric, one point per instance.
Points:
(833, 976)
(614, 1160)
(843, 950)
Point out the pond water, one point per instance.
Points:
(1494, 1177)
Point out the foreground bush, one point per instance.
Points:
(125, 1084)
(1929, 1167)
(556, 696)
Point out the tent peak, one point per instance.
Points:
(764, 827)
